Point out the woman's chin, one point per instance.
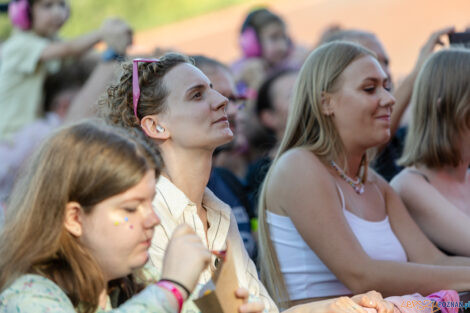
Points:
(225, 138)
(383, 139)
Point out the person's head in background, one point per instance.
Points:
(81, 212)
(264, 35)
(364, 38)
(274, 98)
(43, 17)
(61, 88)
(439, 132)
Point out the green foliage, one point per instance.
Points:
(88, 15)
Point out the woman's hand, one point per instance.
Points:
(253, 307)
(427, 49)
(185, 257)
(343, 305)
(374, 300)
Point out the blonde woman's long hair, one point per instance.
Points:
(440, 107)
(86, 163)
(307, 127)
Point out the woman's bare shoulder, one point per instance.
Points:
(408, 179)
(296, 167)
(299, 159)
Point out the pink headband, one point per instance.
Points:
(135, 82)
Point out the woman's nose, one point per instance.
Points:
(151, 219)
(387, 99)
(220, 101)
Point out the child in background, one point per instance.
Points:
(266, 47)
(33, 50)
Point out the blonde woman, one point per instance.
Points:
(435, 186)
(329, 225)
(184, 118)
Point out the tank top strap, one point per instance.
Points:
(343, 204)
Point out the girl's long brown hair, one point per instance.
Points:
(87, 163)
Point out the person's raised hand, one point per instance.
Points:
(434, 40)
(117, 34)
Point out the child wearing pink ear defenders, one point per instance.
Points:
(266, 47)
(33, 50)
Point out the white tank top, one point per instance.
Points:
(306, 276)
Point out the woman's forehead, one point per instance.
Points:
(364, 67)
(184, 76)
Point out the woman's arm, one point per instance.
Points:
(303, 188)
(114, 32)
(84, 104)
(403, 92)
(439, 219)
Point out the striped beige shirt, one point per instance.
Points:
(174, 208)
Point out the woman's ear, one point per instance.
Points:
(151, 127)
(73, 218)
(326, 105)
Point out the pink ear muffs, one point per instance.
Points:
(249, 43)
(18, 12)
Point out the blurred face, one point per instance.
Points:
(48, 16)
(281, 95)
(222, 81)
(119, 229)
(362, 105)
(195, 112)
(372, 43)
(274, 42)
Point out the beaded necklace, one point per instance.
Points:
(357, 184)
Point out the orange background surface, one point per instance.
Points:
(403, 26)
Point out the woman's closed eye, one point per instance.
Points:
(130, 209)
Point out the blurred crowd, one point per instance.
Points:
(124, 177)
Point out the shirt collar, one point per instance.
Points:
(178, 201)
(175, 199)
(212, 203)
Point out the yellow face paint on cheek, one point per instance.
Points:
(121, 221)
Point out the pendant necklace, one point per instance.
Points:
(357, 184)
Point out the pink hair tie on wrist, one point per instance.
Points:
(135, 82)
(171, 288)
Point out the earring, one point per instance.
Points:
(160, 129)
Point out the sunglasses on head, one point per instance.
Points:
(135, 82)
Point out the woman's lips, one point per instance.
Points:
(147, 242)
(384, 118)
(222, 119)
